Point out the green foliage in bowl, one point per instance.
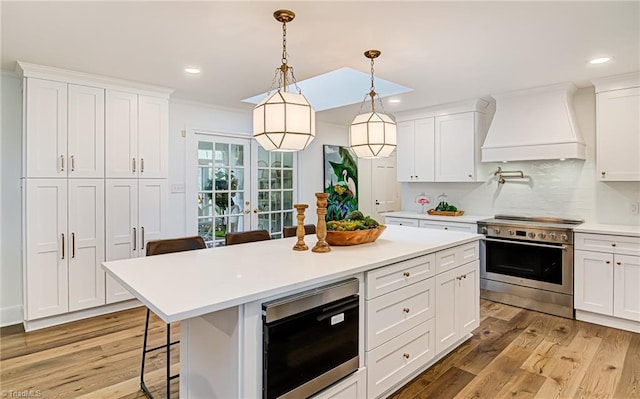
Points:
(356, 221)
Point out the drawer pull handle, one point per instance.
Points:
(406, 310)
(607, 261)
(133, 161)
(73, 163)
(61, 163)
(406, 355)
(406, 274)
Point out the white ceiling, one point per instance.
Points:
(446, 51)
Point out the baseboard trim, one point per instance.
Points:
(11, 315)
(609, 321)
(32, 325)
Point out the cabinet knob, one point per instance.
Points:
(619, 263)
(406, 355)
(470, 176)
(603, 173)
(613, 244)
(607, 262)
(406, 310)
(406, 274)
(446, 228)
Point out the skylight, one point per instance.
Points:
(338, 88)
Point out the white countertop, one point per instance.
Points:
(615, 229)
(183, 285)
(424, 216)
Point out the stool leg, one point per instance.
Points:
(143, 386)
(168, 360)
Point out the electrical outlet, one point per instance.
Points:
(177, 188)
(635, 208)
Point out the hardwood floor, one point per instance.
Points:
(514, 353)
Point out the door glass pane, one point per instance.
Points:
(276, 205)
(205, 153)
(287, 160)
(287, 179)
(237, 155)
(275, 191)
(287, 200)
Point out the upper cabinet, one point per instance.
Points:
(618, 127)
(441, 144)
(137, 127)
(64, 130)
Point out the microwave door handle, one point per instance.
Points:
(528, 244)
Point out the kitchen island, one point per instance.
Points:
(217, 294)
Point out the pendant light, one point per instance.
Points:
(372, 134)
(284, 121)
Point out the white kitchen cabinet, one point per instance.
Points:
(399, 275)
(415, 149)
(137, 128)
(457, 304)
(618, 128)
(402, 221)
(64, 130)
(438, 225)
(607, 277)
(135, 214)
(64, 245)
(458, 138)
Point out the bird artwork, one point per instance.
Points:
(343, 191)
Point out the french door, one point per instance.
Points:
(234, 185)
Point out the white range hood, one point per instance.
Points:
(533, 124)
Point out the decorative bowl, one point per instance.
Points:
(344, 238)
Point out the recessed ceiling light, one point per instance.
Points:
(394, 101)
(192, 70)
(600, 60)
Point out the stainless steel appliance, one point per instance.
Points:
(528, 262)
(310, 340)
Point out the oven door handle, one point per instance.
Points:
(529, 244)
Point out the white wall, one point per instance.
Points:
(10, 200)
(557, 188)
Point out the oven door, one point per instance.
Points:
(529, 264)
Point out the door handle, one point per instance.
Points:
(62, 234)
(73, 245)
(133, 160)
(135, 239)
(255, 210)
(247, 211)
(377, 202)
(142, 237)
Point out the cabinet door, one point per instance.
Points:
(468, 298)
(446, 326)
(593, 282)
(455, 147)
(85, 138)
(121, 145)
(153, 136)
(404, 151)
(618, 135)
(424, 150)
(47, 248)
(626, 287)
(86, 243)
(121, 227)
(384, 186)
(152, 205)
(45, 129)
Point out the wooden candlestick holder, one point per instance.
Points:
(321, 228)
(300, 245)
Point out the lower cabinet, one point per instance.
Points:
(452, 226)
(416, 310)
(402, 221)
(457, 304)
(352, 387)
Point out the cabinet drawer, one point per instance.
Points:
(623, 245)
(351, 387)
(467, 227)
(392, 362)
(456, 256)
(399, 275)
(402, 221)
(398, 311)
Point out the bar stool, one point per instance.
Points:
(160, 247)
(243, 237)
(290, 231)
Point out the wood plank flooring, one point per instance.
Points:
(515, 353)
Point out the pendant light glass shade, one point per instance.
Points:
(372, 134)
(284, 121)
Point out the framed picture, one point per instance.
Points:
(340, 181)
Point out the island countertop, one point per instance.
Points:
(180, 286)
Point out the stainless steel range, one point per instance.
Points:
(528, 262)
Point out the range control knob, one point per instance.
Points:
(511, 232)
(483, 230)
(532, 235)
(497, 230)
(552, 236)
(564, 237)
(541, 235)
